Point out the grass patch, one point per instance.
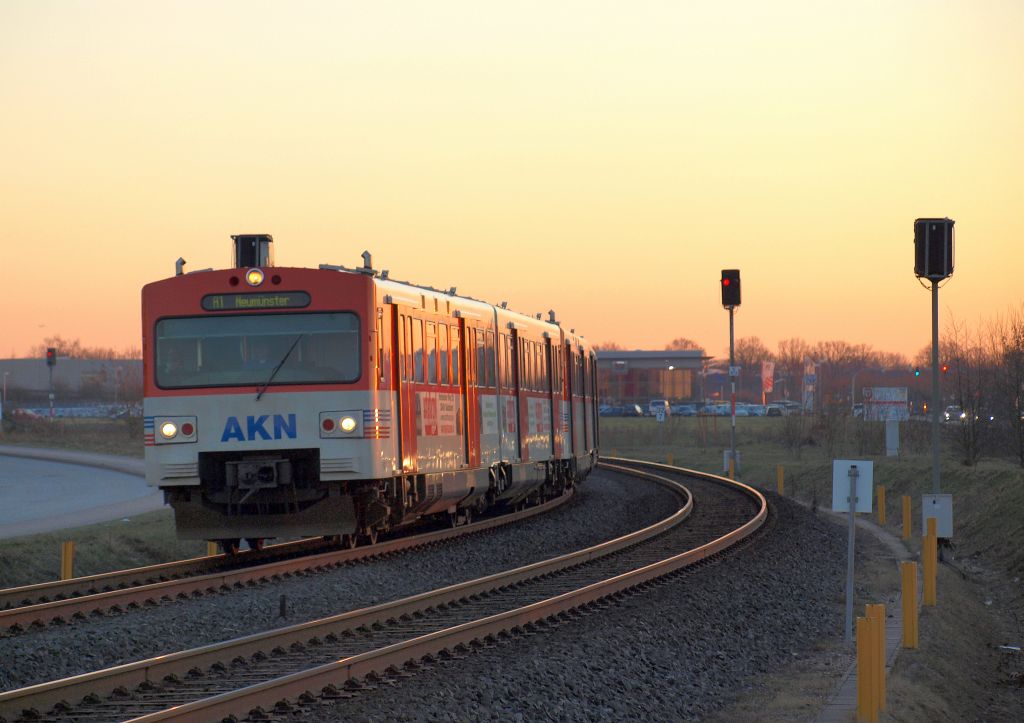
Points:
(107, 436)
(118, 545)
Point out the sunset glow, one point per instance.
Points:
(603, 160)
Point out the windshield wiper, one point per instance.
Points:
(260, 390)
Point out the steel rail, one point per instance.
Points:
(279, 691)
(45, 695)
(105, 581)
(22, 617)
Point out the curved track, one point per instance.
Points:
(282, 668)
(65, 600)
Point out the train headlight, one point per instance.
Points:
(254, 277)
(341, 424)
(171, 430)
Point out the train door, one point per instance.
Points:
(406, 394)
(515, 406)
(554, 397)
(569, 390)
(470, 402)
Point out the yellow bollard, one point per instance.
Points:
(877, 612)
(880, 494)
(930, 557)
(906, 517)
(780, 480)
(908, 587)
(671, 460)
(211, 548)
(867, 707)
(732, 468)
(67, 560)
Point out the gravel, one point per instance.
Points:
(679, 651)
(605, 506)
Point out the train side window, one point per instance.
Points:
(481, 359)
(523, 381)
(491, 361)
(380, 348)
(503, 357)
(442, 343)
(417, 349)
(430, 345)
(455, 355)
(404, 355)
(531, 359)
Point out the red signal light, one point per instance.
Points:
(945, 368)
(725, 282)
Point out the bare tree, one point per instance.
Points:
(789, 364)
(608, 346)
(1007, 342)
(74, 349)
(750, 352)
(970, 381)
(684, 344)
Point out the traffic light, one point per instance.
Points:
(945, 368)
(730, 287)
(917, 371)
(933, 248)
(51, 356)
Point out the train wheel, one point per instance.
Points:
(229, 546)
(468, 516)
(254, 543)
(349, 541)
(371, 536)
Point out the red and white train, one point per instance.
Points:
(334, 401)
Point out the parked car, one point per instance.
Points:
(608, 410)
(632, 410)
(659, 405)
(954, 413)
(684, 410)
(776, 410)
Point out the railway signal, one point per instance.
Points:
(730, 287)
(730, 300)
(933, 260)
(51, 362)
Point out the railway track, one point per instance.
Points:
(325, 659)
(66, 600)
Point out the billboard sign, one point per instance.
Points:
(886, 404)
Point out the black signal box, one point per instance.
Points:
(730, 287)
(933, 248)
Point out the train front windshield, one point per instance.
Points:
(222, 351)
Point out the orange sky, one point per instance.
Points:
(605, 160)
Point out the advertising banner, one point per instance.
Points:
(767, 376)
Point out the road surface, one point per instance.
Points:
(44, 495)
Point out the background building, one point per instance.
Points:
(636, 377)
(26, 382)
